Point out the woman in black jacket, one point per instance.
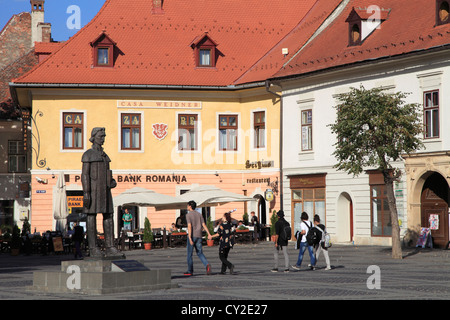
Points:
(226, 242)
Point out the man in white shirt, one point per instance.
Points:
(305, 225)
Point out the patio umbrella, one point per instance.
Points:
(60, 209)
(208, 195)
(147, 198)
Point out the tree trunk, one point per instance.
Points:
(396, 244)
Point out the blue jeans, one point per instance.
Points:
(303, 246)
(198, 248)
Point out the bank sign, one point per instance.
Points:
(146, 178)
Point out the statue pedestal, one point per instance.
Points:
(99, 276)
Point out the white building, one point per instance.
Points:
(399, 46)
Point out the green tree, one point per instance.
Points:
(373, 129)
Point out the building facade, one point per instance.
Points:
(18, 55)
(180, 89)
(397, 46)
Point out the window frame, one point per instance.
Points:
(309, 132)
(20, 153)
(384, 216)
(431, 109)
(107, 48)
(187, 127)
(257, 126)
(228, 127)
(72, 126)
(131, 127)
(439, 20)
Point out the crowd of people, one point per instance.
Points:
(315, 244)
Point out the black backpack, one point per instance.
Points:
(286, 232)
(313, 235)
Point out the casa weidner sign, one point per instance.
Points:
(159, 104)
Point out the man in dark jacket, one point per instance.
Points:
(280, 242)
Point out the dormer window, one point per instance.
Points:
(103, 51)
(355, 35)
(204, 51)
(362, 22)
(442, 12)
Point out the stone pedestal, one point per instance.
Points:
(98, 277)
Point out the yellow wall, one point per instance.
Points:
(101, 109)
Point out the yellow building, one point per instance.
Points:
(180, 89)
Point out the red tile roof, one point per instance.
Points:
(274, 59)
(409, 27)
(155, 48)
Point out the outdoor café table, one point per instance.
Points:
(244, 236)
(179, 238)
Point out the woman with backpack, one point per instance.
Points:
(305, 226)
(318, 248)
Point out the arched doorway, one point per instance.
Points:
(261, 209)
(344, 219)
(434, 207)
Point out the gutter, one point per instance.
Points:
(280, 152)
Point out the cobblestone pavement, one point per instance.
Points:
(422, 274)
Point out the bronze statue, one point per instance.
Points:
(97, 181)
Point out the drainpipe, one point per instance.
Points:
(268, 89)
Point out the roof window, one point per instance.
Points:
(442, 12)
(363, 22)
(205, 51)
(103, 51)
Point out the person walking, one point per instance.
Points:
(305, 225)
(320, 247)
(195, 222)
(77, 238)
(225, 232)
(281, 241)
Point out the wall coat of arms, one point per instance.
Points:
(160, 130)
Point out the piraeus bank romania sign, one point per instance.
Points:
(159, 104)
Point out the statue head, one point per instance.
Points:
(98, 135)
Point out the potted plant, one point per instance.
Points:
(148, 234)
(210, 226)
(16, 241)
(273, 220)
(245, 218)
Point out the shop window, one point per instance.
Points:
(309, 200)
(379, 206)
(187, 131)
(228, 132)
(431, 114)
(259, 129)
(131, 131)
(73, 130)
(17, 158)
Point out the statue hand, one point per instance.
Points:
(113, 183)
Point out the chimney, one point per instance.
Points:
(157, 6)
(37, 17)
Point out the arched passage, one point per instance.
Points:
(344, 218)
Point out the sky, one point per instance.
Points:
(66, 16)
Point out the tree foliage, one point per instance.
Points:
(373, 129)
